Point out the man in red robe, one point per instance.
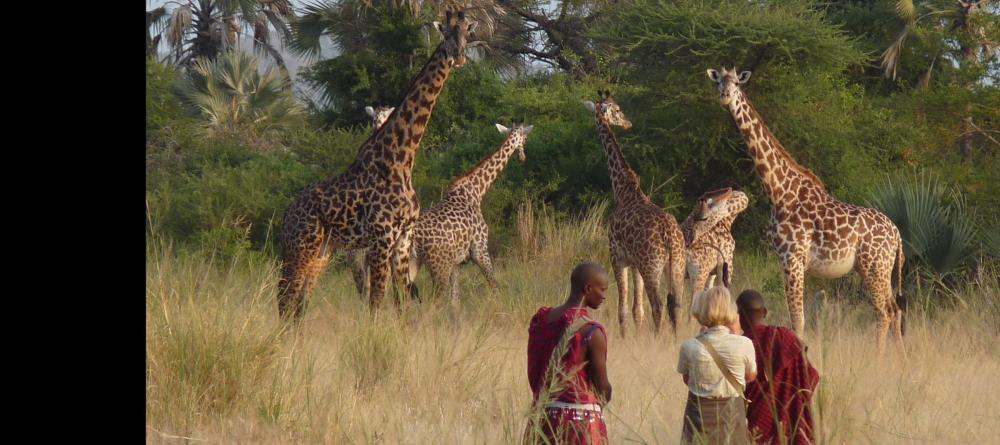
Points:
(785, 383)
(567, 365)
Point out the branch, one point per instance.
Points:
(540, 19)
(526, 50)
(983, 132)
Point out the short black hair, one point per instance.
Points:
(584, 273)
(750, 301)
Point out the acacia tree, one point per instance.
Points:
(553, 33)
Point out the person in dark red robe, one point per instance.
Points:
(567, 365)
(779, 412)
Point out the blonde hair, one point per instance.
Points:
(714, 307)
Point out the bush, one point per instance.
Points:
(938, 229)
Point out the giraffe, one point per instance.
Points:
(356, 257)
(454, 229)
(708, 233)
(812, 231)
(372, 204)
(642, 236)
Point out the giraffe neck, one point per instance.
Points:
(624, 181)
(785, 181)
(723, 226)
(478, 180)
(394, 145)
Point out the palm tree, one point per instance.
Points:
(155, 21)
(206, 28)
(231, 92)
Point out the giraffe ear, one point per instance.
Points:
(440, 27)
(503, 129)
(472, 26)
(527, 130)
(370, 111)
(589, 105)
(744, 76)
(713, 74)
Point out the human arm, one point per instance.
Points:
(749, 360)
(597, 354)
(682, 365)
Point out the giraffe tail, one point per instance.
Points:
(411, 272)
(900, 298)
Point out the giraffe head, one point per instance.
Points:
(729, 83)
(713, 207)
(455, 31)
(608, 110)
(516, 136)
(379, 114)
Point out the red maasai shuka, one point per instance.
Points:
(565, 426)
(783, 389)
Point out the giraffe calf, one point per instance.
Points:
(709, 239)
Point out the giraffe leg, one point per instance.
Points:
(302, 261)
(453, 285)
(794, 266)
(481, 256)
(621, 281)
(877, 282)
(651, 277)
(639, 291)
(401, 264)
(440, 278)
(359, 271)
(675, 274)
(380, 273)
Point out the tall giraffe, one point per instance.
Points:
(810, 229)
(708, 233)
(356, 257)
(642, 236)
(454, 229)
(372, 204)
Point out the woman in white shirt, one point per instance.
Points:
(716, 366)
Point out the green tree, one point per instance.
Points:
(380, 46)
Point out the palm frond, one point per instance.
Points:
(935, 222)
(892, 54)
(308, 28)
(906, 10)
(278, 24)
(180, 22)
(231, 91)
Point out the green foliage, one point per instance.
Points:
(162, 105)
(938, 229)
(815, 81)
(232, 92)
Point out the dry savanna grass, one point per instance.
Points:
(221, 369)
